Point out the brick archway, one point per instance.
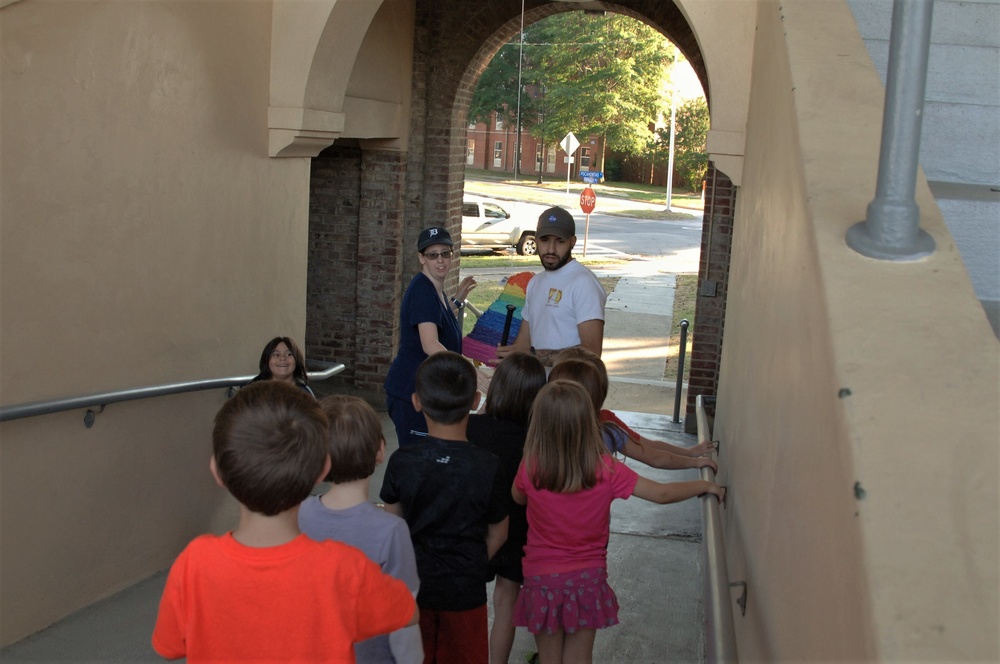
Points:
(448, 91)
(393, 195)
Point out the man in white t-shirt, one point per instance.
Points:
(564, 305)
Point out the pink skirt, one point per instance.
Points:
(569, 602)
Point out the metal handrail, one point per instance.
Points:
(326, 370)
(720, 627)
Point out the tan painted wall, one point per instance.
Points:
(910, 570)
(146, 238)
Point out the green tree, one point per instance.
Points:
(583, 73)
(496, 89)
(602, 75)
(690, 158)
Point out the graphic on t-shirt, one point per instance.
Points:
(554, 296)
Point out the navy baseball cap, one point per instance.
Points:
(433, 235)
(556, 221)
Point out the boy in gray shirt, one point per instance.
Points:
(345, 514)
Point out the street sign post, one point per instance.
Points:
(588, 199)
(569, 144)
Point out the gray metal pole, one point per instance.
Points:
(680, 370)
(892, 229)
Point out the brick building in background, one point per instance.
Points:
(492, 146)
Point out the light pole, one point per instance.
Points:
(541, 153)
(520, 63)
(670, 159)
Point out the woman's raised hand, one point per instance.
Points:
(464, 288)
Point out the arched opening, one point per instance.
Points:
(409, 190)
(720, 192)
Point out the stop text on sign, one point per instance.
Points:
(588, 199)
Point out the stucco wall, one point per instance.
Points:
(863, 505)
(724, 31)
(146, 239)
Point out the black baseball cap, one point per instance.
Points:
(556, 221)
(433, 235)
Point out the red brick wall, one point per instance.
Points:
(331, 290)
(355, 261)
(713, 284)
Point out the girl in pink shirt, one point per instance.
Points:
(568, 480)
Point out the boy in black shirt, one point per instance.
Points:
(453, 498)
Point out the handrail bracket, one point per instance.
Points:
(91, 416)
(742, 599)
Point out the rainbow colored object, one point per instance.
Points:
(481, 343)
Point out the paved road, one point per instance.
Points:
(611, 235)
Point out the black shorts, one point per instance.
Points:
(508, 566)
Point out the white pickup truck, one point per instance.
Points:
(486, 225)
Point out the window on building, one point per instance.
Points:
(472, 124)
(497, 154)
(584, 159)
(498, 125)
(539, 156)
(470, 152)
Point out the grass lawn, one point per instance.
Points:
(654, 215)
(685, 295)
(492, 183)
(521, 263)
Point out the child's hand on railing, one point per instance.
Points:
(707, 462)
(704, 448)
(716, 490)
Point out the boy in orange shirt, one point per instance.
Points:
(264, 591)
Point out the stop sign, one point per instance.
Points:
(588, 199)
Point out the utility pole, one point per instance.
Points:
(520, 63)
(670, 159)
(541, 154)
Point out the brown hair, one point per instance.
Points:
(269, 444)
(587, 375)
(563, 448)
(354, 440)
(300, 375)
(514, 386)
(579, 353)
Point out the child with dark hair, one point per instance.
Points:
(501, 430)
(283, 360)
(453, 498)
(586, 368)
(345, 514)
(264, 591)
